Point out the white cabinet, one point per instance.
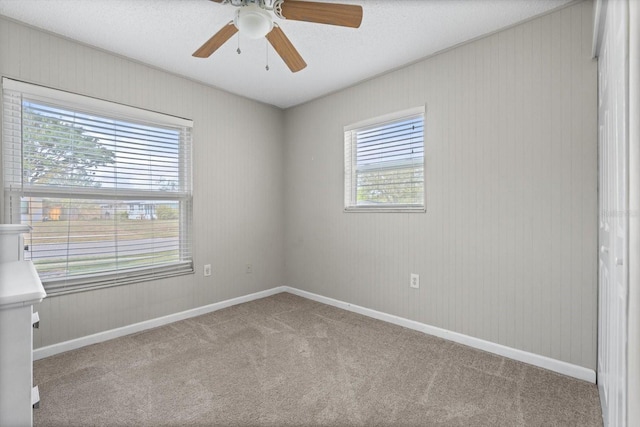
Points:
(20, 288)
(11, 242)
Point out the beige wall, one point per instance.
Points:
(507, 249)
(238, 181)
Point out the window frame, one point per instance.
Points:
(115, 111)
(350, 169)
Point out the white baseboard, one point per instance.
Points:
(53, 349)
(559, 366)
(554, 365)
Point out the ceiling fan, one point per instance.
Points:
(253, 19)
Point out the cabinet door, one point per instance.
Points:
(16, 366)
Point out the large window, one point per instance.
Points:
(106, 188)
(384, 163)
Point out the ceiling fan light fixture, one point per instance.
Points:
(253, 22)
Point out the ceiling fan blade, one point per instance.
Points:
(285, 49)
(216, 41)
(345, 15)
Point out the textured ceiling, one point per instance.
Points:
(164, 33)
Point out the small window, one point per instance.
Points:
(384, 163)
(105, 187)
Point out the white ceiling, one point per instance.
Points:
(164, 34)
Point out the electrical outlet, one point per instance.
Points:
(207, 269)
(414, 282)
(248, 269)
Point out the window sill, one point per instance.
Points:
(397, 209)
(90, 283)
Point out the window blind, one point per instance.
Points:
(384, 163)
(106, 188)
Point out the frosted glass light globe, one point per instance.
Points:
(253, 22)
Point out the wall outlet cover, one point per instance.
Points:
(414, 281)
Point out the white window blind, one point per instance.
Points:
(106, 188)
(384, 163)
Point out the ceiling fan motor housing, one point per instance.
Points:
(274, 5)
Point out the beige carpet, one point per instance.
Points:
(286, 360)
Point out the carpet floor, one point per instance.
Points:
(286, 360)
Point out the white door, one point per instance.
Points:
(613, 220)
